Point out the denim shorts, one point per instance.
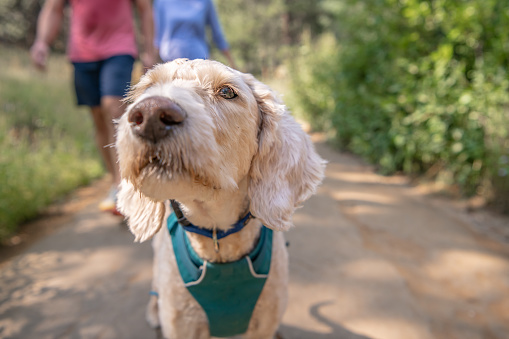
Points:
(96, 79)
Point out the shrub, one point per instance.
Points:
(416, 86)
(46, 142)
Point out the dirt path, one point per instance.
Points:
(371, 257)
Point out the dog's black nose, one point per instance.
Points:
(153, 118)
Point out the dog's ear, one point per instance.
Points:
(144, 216)
(286, 170)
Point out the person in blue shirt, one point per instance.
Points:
(180, 29)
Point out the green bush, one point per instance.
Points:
(47, 143)
(416, 86)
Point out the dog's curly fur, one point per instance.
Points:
(227, 157)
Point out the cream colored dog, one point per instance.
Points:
(221, 144)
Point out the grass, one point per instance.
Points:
(46, 142)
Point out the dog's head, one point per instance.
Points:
(199, 125)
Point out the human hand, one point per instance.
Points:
(228, 55)
(39, 53)
(148, 60)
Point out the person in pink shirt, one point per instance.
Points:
(102, 49)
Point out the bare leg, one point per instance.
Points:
(114, 108)
(104, 138)
(111, 108)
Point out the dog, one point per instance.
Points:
(223, 148)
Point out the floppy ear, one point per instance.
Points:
(286, 170)
(144, 216)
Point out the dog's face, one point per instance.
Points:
(213, 143)
(196, 126)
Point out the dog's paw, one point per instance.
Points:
(152, 314)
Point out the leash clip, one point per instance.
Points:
(214, 238)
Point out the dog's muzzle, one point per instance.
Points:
(153, 118)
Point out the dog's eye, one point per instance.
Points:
(227, 93)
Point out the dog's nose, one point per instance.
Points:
(153, 118)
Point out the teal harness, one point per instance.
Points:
(227, 292)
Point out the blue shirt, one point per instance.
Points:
(180, 28)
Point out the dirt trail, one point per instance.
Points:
(370, 257)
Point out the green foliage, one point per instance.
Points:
(18, 21)
(261, 33)
(313, 83)
(46, 143)
(415, 86)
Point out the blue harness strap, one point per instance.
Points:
(227, 292)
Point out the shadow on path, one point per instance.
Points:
(335, 331)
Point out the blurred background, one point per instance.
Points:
(412, 86)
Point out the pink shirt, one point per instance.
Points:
(101, 29)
